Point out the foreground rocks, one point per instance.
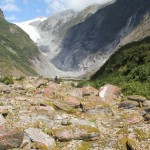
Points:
(36, 113)
(10, 139)
(109, 92)
(40, 138)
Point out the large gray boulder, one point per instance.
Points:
(37, 136)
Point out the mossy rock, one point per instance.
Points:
(142, 135)
(86, 133)
(84, 146)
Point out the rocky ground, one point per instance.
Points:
(36, 113)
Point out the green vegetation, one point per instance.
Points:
(16, 50)
(128, 68)
(6, 80)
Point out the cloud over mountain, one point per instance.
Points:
(57, 5)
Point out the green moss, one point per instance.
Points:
(7, 80)
(141, 135)
(84, 146)
(1, 104)
(89, 129)
(39, 146)
(123, 131)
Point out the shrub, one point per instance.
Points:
(7, 80)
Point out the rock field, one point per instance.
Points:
(36, 113)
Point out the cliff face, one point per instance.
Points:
(1, 14)
(99, 35)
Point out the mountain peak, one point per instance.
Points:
(1, 14)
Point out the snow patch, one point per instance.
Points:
(31, 30)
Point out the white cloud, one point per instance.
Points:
(8, 1)
(9, 5)
(58, 5)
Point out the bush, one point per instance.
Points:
(6, 80)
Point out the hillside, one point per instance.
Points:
(129, 68)
(16, 50)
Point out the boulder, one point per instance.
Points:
(146, 103)
(51, 88)
(77, 92)
(86, 133)
(39, 137)
(88, 90)
(109, 92)
(45, 110)
(63, 106)
(10, 139)
(72, 101)
(4, 88)
(137, 98)
(128, 104)
(98, 111)
(132, 119)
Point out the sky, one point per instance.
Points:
(23, 10)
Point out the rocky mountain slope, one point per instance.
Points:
(50, 32)
(91, 42)
(39, 114)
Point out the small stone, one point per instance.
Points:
(147, 117)
(4, 88)
(5, 110)
(65, 122)
(146, 103)
(137, 98)
(128, 104)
